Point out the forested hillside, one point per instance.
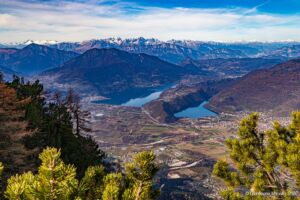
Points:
(74, 167)
(14, 154)
(51, 124)
(29, 124)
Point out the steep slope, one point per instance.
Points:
(14, 155)
(34, 58)
(106, 71)
(276, 89)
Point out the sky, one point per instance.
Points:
(204, 20)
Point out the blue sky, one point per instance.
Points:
(205, 20)
(272, 6)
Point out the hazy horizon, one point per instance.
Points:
(53, 41)
(205, 20)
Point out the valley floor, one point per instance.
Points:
(186, 149)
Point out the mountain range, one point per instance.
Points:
(176, 51)
(33, 58)
(276, 89)
(107, 71)
(286, 52)
(229, 68)
(169, 51)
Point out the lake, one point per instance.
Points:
(196, 112)
(135, 97)
(138, 97)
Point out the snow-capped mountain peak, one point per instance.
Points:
(28, 42)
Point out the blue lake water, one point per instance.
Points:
(138, 102)
(135, 97)
(196, 112)
(139, 97)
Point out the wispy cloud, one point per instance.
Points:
(82, 20)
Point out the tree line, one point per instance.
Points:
(45, 154)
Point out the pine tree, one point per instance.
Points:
(265, 161)
(52, 125)
(79, 158)
(140, 173)
(13, 153)
(33, 91)
(91, 185)
(113, 186)
(1, 77)
(1, 171)
(20, 187)
(56, 180)
(79, 116)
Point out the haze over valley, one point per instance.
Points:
(102, 81)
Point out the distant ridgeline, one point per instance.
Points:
(29, 124)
